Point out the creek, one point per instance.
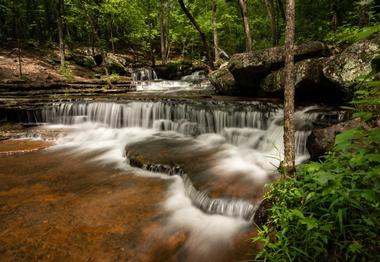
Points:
(198, 168)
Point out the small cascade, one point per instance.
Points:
(195, 77)
(144, 74)
(211, 117)
(228, 207)
(244, 124)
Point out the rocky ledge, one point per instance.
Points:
(208, 187)
(321, 76)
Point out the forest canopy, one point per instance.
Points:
(121, 24)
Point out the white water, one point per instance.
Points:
(247, 138)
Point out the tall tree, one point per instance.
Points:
(16, 10)
(289, 132)
(206, 44)
(280, 5)
(164, 29)
(364, 7)
(215, 31)
(269, 4)
(247, 30)
(60, 32)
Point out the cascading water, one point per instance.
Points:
(145, 79)
(196, 76)
(144, 74)
(254, 130)
(252, 124)
(219, 156)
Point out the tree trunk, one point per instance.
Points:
(19, 56)
(334, 17)
(60, 33)
(273, 23)
(164, 30)
(247, 30)
(364, 13)
(96, 38)
(16, 18)
(281, 8)
(289, 132)
(215, 32)
(201, 33)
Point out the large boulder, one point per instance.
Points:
(173, 71)
(309, 70)
(223, 81)
(322, 140)
(249, 68)
(84, 60)
(353, 62)
(115, 64)
(310, 83)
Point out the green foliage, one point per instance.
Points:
(351, 34)
(113, 77)
(66, 72)
(329, 211)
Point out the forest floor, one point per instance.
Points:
(40, 65)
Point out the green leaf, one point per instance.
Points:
(355, 247)
(309, 222)
(323, 177)
(363, 115)
(297, 213)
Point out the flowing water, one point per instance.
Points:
(213, 158)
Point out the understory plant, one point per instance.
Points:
(330, 210)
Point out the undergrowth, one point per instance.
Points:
(330, 210)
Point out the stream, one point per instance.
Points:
(167, 180)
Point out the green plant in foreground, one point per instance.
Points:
(329, 211)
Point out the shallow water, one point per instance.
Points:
(81, 199)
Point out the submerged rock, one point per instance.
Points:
(355, 61)
(249, 68)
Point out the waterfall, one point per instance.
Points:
(248, 136)
(196, 76)
(144, 74)
(228, 207)
(210, 117)
(248, 124)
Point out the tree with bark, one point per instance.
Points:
(203, 36)
(269, 4)
(247, 30)
(164, 29)
(215, 31)
(289, 129)
(60, 32)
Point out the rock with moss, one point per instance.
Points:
(250, 67)
(115, 64)
(84, 60)
(223, 81)
(307, 71)
(322, 140)
(355, 61)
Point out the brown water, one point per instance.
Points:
(59, 206)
